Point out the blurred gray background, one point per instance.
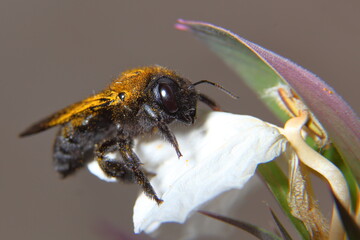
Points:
(53, 53)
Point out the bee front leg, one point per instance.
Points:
(154, 115)
(208, 101)
(126, 167)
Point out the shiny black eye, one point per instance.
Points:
(167, 90)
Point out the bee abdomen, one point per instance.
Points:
(74, 144)
(72, 152)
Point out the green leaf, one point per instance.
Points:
(263, 70)
(277, 182)
(351, 228)
(283, 231)
(252, 229)
(332, 154)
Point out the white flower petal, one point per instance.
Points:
(220, 153)
(226, 204)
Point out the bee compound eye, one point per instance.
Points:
(167, 96)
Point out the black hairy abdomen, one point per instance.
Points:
(74, 146)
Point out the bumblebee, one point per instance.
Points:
(140, 101)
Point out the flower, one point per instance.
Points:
(220, 152)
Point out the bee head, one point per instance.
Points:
(176, 97)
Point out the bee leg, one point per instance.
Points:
(164, 129)
(208, 101)
(111, 164)
(127, 167)
(132, 161)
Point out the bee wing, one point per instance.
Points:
(78, 110)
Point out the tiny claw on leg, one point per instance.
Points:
(158, 200)
(178, 152)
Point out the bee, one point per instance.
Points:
(140, 101)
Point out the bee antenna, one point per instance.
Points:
(218, 86)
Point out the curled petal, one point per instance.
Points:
(324, 167)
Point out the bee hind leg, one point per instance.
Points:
(117, 159)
